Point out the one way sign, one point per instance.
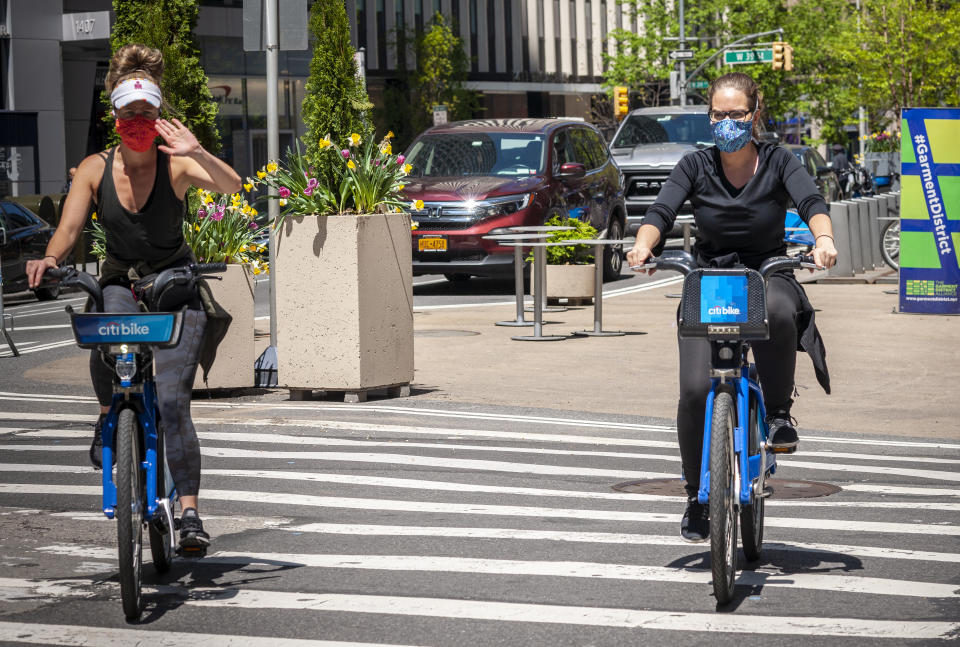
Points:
(681, 54)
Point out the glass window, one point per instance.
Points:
(583, 148)
(456, 154)
(563, 151)
(676, 128)
(600, 152)
(18, 217)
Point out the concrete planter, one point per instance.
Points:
(569, 281)
(233, 368)
(344, 302)
(882, 164)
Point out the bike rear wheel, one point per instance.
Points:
(751, 516)
(129, 514)
(723, 520)
(890, 244)
(162, 549)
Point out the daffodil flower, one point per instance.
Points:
(414, 225)
(283, 202)
(325, 142)
(272, 167)
(248, 187)
(355, 139)
(417, 204)
(390, 135)
(261, 174)
(196, 227)
(93, 216)
(351, 165)
(407, 168)
(400, 187)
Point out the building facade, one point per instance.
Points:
(539, 58)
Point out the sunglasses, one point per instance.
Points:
(736, 115)
(130, 113)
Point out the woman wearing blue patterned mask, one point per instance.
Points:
(739, 190)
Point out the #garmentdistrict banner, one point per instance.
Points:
(930, 210)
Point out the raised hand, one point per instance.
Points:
(179, 139)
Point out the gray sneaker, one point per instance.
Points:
(782, 438)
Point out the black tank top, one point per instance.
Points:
(150, 235)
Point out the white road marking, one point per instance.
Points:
(546, 568)
(37, 349)
(394, 505)
(525, 612)
(501, 466)
(44, 634)
(367, 481)
(51, 327)
(609, 538)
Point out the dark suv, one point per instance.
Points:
(23, 236)
(483, 176)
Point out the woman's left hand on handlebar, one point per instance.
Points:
(824, 253)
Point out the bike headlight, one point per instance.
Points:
(126, 368)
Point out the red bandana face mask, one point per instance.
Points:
(137, 133)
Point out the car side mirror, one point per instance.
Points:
(824, 170)
(572, 170)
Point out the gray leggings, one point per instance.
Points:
(175, 372)
(776, 360)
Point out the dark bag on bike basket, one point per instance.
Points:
(724, 304)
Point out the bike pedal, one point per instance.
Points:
(192, 552)
(766, 493)
(781, 450)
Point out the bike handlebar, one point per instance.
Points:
(205, 268)
(684, 263)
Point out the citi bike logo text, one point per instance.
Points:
(133, 328)
(724, 310)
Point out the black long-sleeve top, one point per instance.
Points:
(747, 221)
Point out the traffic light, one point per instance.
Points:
(779, 54)
(788, 58)
(621, 101)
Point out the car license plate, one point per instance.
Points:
(432, 244)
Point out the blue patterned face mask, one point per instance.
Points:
(730, 136)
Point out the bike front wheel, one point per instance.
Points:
(723, 519)
(890, 244)
(130, 489)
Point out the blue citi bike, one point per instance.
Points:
(138, 491)
(727, 307)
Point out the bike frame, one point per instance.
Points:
(753, 467)
(144, 405)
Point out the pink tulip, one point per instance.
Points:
(400, 159)
(201, 213)
(284, 192)
(345, 153)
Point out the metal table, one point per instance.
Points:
(598, 244)
(517, 271)
(539, 287)
(545, 230)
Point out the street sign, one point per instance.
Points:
(739, 56)
(439, 115)
(698, 85)
(681, 54)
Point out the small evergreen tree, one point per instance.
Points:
(335, 101)
(168, 25)
(442, 68)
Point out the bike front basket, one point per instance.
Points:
(724, 304)
(158, 329)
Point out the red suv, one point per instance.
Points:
(483, 176)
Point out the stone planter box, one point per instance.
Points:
(882, 164)
(344, 303)
(569, 281)
(233, 367)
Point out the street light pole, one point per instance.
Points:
(273, 151)
(683, 65)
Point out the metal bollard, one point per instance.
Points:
(853, 229)
(840, 215)
(873, 221)
(865, 255)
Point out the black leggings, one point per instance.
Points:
(776, 360)
(175, 372)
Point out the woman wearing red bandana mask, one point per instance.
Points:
(138, 190)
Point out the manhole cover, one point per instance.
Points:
(444, 333)
(782, 489)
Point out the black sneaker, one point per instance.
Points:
(782, 437)
(695, 527)
(193, 540)
(96, 447)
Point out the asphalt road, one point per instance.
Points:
(411, 522)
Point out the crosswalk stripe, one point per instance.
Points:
(284, 439)
(274, 498)
(546, 568)
(44, 634)
(626, 539)
(449, 486)
(501, 466)
(526, 612)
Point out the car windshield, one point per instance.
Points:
(457, 154)
(683, 128)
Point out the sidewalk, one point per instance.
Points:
(891, 373)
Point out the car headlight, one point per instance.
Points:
(502, 206)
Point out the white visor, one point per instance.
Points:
(132, 90)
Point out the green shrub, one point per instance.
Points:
(569, 254)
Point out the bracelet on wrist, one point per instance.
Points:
(53, 257)
(823, 236)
